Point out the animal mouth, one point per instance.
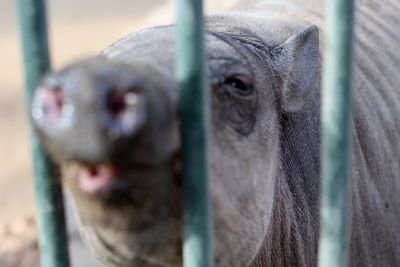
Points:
(96, 178)
(106, 180)
(103, 179)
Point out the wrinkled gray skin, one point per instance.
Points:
(264, 72)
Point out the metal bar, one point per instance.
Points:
(50, 208)
(193, 105)
(336, 134)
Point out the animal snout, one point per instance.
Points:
(97, 112)
(122, 112)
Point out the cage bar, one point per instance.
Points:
(336, 134)
(193, 107)
(50, 208)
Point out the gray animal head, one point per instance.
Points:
(111, 123)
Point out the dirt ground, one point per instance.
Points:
(78, 28)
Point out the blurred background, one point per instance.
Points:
(77, 29)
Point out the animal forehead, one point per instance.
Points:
(158, 44)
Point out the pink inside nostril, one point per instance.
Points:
(116, 102)
(126, 113)
(52, 111)
(51, 102)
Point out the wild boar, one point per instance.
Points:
(111, 124)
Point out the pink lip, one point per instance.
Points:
(95, 179)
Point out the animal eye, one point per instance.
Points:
(238, 85)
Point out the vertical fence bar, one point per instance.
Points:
(51, 223)
(193, 104)
(336, 134)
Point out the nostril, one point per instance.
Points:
(51, 101)
(50, 109)
(115, 103)
(118, 102)
(126, 113)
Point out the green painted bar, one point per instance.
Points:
(52, 233)
(193, 105)
(336, 134)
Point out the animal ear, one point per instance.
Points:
(299, 63)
